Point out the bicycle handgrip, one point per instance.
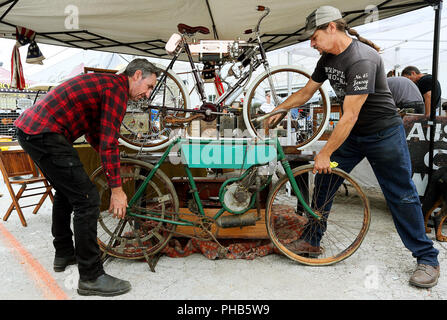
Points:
(334, 164)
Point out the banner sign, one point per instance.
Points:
(418, 138)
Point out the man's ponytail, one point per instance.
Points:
(353, 32)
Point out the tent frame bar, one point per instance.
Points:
(9, 9)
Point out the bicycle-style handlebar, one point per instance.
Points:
(267, 11)
(272, 125)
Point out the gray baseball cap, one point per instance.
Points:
(318, 17)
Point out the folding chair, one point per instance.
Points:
(16, 167)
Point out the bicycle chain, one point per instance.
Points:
(204, 234)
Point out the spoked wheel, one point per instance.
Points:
(145, 127)
(133, 237)
(339, 232)
(308, 121)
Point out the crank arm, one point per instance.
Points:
(164, 108)
(172, 120)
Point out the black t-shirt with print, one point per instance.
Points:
(425, 84)
(360, 70)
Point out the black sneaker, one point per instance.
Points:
(60, 263)
(105, 285)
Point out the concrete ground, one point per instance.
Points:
(379, 270)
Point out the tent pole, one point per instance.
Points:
(437, 5)
(216, 36)
(9, 9)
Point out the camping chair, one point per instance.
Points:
(16, 166)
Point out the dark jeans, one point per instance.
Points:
(388, 154)
(74, 192)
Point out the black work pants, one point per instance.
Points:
(74, 192)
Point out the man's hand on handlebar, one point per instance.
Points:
(273, 121)
(322, 163)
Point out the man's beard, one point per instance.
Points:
(320, 51)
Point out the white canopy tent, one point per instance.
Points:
(142, 27)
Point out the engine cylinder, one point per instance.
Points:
(246, 219)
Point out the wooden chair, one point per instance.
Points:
(19, 169)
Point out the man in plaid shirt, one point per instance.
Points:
(92, 105)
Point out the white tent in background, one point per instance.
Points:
(5, 75)
(404, 40)
(75, 64)
(5, 78)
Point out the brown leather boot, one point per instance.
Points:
(302, 247)
(425, 276)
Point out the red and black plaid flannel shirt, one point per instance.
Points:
(92, 105)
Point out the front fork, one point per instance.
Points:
(295, 188)
(297, 191)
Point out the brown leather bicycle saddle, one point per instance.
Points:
(183, 28)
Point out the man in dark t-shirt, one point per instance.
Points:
(370, 127)
(365, 75)
(424, 83)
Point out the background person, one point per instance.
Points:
(267, 106)
(406, 94)
(424, 83)
(93, 105)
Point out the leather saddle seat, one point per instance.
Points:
(183, 28)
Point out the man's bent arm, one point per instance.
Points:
(427, 101)
(301, 96)
(297, 98)
(351, 109)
